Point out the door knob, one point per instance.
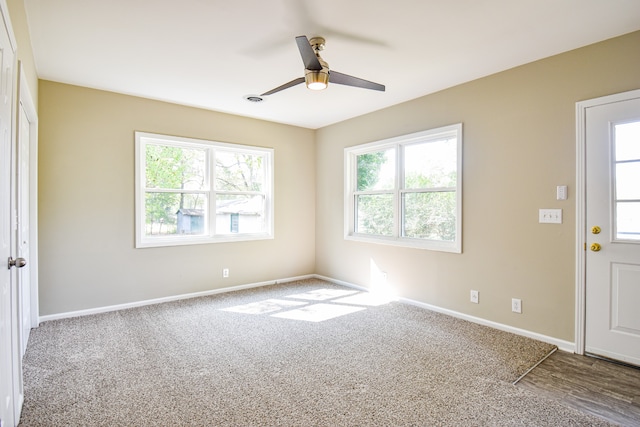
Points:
(595, 229)
(18, 262)
(595, 247)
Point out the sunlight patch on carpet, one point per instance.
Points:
(368, 299)
(318, 312)
(322, 294)
(263, 307)
(348, 301)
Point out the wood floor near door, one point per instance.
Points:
(595, 386)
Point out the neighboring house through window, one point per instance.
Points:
(192, 191)
(406, 191)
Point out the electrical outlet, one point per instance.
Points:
(516, 305)
(225, 272)
(475, 296)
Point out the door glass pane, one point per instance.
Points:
(628, 221)
(430, 164)
(430, 216)
(376, 171)
(374, 214)
(627, 137)
(628, 181)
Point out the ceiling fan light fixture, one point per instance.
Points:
(316, 70)
(316, 80)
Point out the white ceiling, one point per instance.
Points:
(212, 53)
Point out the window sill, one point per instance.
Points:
(431, 245)
(198, 240)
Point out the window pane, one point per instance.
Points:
(175, 168)
(430, 216)
(628, 181)
(376, 171)
(239, 172)
(240, 214)
(430, 164)
(175, 213)
(628, 221)
(374, 214)
(627, 137)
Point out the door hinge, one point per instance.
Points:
(585, 246)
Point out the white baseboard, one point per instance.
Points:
(561, 344)
(341, 282)
(117, 307)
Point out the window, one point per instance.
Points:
(626, 169)
(407, 191)
(192, 191)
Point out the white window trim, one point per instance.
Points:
(143, 241)
(350, 174)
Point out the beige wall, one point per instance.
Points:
(86, 202)
(519, 144)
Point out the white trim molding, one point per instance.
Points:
(106, 309)
(581, 206)
(561, 344)
(26, 100)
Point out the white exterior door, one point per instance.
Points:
(9, 349)
(612, 273)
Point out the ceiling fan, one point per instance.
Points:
(316, 71)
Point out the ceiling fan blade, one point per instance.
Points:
(285, 86)
(345, 79)
(308, 55)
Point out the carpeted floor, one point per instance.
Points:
(307, 353)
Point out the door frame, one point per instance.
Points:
(26, 100)
(581, 207)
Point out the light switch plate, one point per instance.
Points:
(550, 216)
